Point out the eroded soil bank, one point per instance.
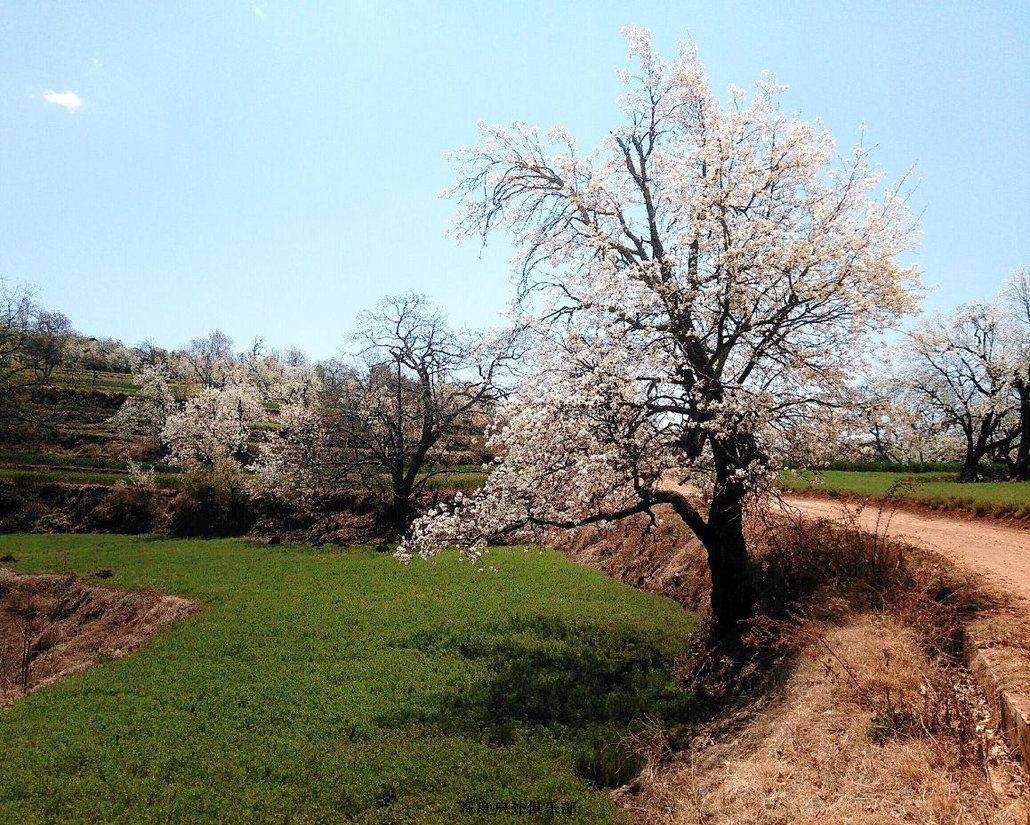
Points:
(52, 626)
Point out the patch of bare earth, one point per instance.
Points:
(1003, 515)
(664, 558)
(1001, 553)
(52, 626)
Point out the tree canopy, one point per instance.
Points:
(700, 288)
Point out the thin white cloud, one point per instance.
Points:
(69, 100)
(260, 12)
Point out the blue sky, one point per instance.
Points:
(272, 168)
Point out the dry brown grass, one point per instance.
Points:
(53, 626)
(820, 750)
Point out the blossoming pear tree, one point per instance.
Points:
(146, 412)
(296, 460)
(227, 396)
(700, 290)
(213, 425)
(958, 368)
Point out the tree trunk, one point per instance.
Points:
(397, 517)
(970, 469)
(733, 592)
(975, 451)
(1021, 469)
(722, 534)
(398, 512)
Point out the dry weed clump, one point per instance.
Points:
(53, 626)
(811, 566)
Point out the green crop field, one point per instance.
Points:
(73, 476)
(338, 685)
(1003, 498)
(25, 458)
(105, 381)
(457, 480)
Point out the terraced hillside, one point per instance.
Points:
(72, 438)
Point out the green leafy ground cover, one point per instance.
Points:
(457, 480)
(337, 685)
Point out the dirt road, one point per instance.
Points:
(1002, 554)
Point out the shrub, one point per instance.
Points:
(52, 523)
(126, 510)
(214, 502)
(12, 504)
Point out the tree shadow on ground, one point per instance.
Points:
(587, 684)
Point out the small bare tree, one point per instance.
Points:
(33, 341)
(16, 313)
(47, 343)
(207, 358)
(418, 389)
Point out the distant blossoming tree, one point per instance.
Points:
(700, 289)
(1016, 308)
(891, 424)
(959, 369)
(227, 397)
(208, 361)
(145, 412)
(297, 460)
(212, 426)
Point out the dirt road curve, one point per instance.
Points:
(1000, 553)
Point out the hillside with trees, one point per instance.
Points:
(206, 440)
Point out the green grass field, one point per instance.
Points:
(25, 458)
(457, 480)
(74, 476)
(342, 686)
(1003, 498)
(105, 381)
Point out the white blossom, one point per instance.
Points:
(700, 288)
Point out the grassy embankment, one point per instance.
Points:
(44, 468)
(79, 444)
(1006, 499)
(339, 685)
